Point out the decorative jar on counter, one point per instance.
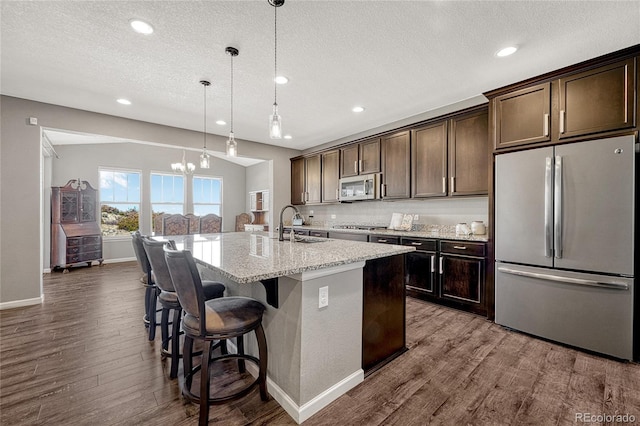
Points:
(462, 229)
(478, 228)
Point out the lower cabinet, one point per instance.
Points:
(447, 272)
(383, 313)
(348, 236)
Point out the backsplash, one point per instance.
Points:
(442, 212)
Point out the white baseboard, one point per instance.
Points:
(302, 413)
(121, 260)
(21, 303)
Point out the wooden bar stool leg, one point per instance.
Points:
(175, 343)
(204, 385)
(152, 313)
(240, 345)
(262, 351)
(164, 329)
(187, 360)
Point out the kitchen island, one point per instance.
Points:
(315, 353)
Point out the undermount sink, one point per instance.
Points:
(307, 240)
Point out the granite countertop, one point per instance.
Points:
(247, 257)
(436, 232)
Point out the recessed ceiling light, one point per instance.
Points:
(287, 136)
(124, 101)
(506, 51)
(221, 122)
(281, 79)
(357, 109)
(141, 26)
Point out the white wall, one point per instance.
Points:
(20, 176)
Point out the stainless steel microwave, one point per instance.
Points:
(363, 187)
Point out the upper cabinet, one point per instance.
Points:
(597, 100)
(469, 154)
(396, 165)
(573, 104)
(330, 176)
(360, 158)
(306, 180)
(429, 161)
(523, 116)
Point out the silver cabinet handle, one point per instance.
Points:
(562, 121)
(414, 243)
(302, 197)
(433, 263)
(548, 208)
(568, 280)
(557, 208)
(441, 265)
(383, 189)
(459, 247)
(360, 166)
(546, 125)
(355, 166)
(453, 184)
(444, 184)
(337, 193)
(381, 241)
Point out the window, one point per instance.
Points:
(167, 195)
(207, 195)
(119, 202)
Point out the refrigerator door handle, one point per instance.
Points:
(567, 280)
(557, 208)
(548, 208)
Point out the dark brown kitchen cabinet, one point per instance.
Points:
(348, 236)
(420, 268)
(597, 100)
(75, 233)
(297, 181)
(330, 176)
(383, 312)
(360, 158)
(396, 165)
(523, 117)
(469, 154)
(313, 179)
(384, 239)
(461, 272)
(429, 161)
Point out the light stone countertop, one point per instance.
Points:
(440, 233)
(247, 257)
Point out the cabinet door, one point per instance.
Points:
(598, 100)
(429, 161)
(396, 165)
(462, 278)
(330, 176)
(313, 179)
(349, 160)
(69, 206)
(297, 181)
(253, 201)
(369, 161)
(469, 155)
(88, 206)
(523, 116)
(419, 272)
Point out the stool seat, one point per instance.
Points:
(227, 317)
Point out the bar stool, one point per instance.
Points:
(169, 299)
(151, 291)
(210, 321)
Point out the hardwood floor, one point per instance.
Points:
(83, 358)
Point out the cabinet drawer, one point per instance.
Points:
(72, 242)
(91, 240)
(463, 247)
(91, 247)
(383, 239)
(321, 234)
(73, 250)
(74, 258)
(94, 255)
(420, 243)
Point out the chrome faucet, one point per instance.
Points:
(281, 227)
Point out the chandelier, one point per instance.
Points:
(184, 167)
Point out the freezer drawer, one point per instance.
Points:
(589, 311)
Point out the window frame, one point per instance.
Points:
(101, 202)
(184, 193)
(193, 197)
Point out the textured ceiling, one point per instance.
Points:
(396, 58)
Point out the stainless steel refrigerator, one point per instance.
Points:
(564, 243)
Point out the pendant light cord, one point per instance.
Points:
(275, 56)
(231, 93)
(204, 146)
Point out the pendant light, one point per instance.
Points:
(205, 160)
(232, 145)
(275, 120)
(183, 167)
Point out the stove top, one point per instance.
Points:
(361, 227)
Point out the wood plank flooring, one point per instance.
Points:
(83, 358)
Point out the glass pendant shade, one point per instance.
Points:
(275, 124)
(205, 160)
(232, 146)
